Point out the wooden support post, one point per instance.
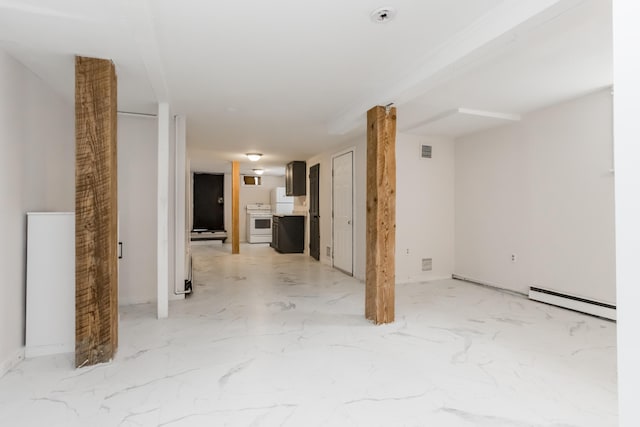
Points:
(235, 207)
(96, 212)
(381, 215)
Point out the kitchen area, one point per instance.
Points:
(280, 223)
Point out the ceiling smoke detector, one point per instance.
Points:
(383, 15)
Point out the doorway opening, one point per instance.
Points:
(208, 207)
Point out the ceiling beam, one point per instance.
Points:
(493, 32)
(463, 112)
(144, 34)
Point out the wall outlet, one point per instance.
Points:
(329, 251)
(514, 257)
(427, 264)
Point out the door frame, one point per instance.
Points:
(351, 150)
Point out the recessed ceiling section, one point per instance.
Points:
(561, 59)
(461, 121)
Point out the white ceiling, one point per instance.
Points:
(290, 78)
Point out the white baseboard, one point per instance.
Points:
(487, 284)
(410, 280)
(559, 299)
(11, 362)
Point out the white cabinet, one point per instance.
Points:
(51, 283)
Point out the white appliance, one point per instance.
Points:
(259, 219)
(281, 203)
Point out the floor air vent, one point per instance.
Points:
(572, 302)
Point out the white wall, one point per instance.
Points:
(300, 202)
(137, 206)
(424, 206)
(360, 173)
(627, 152)
(541, 189)
(325, 160)
(49, 135)
(36, 173)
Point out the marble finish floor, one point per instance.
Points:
(280, 340)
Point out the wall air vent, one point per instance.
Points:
(427, 264)
(425, 152)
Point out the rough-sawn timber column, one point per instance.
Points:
(381, 215)
(96, 211)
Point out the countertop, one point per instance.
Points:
(291, 214)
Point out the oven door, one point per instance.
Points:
(261, 225)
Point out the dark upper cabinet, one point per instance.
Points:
(295, 178)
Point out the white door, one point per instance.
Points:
(343, 212)
(137, 213)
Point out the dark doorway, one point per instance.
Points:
(208, 201)
(314, 211)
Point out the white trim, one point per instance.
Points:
(485, 283)
(414, 280)
(12, 361)
(139, 115)
(164, 126)
(351, 150)
(180, 201)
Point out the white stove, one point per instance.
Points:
(259, 219)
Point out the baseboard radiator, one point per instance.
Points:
(572, 302)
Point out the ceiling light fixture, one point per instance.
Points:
(258, 171)
(382, 15)
(254, 157)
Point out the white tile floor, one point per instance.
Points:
(280, 340)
